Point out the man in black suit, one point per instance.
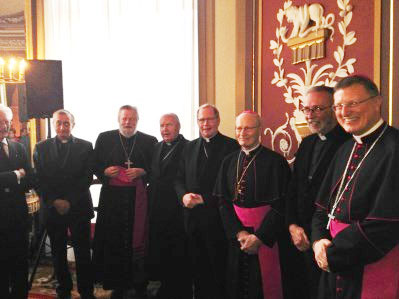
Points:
(194, 184)
(14, 182)
(167, 247)
(311, 163)
(64, 172)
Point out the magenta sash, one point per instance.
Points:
(140, 225)
(268, 257)
(380, 279)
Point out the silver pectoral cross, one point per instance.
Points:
(330, 218)
(128, 163)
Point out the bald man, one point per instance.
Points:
(251, 187)
(167, 252)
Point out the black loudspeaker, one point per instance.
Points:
(44, 94)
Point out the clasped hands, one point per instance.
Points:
(131, 173)
(190, 200)
(249, 243)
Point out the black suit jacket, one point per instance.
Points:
(69, 179)
(303, 187)
(13, 207)
(164, 204)
(189, 179)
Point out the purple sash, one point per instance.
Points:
(380, 279)
(268, 257)
(140, 226)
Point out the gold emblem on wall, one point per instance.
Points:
(309, 31)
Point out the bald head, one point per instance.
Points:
(248, 128)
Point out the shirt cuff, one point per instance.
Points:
(18, 174)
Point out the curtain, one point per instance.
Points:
(116, 52)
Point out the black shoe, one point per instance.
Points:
(63, 296)
(117, 294)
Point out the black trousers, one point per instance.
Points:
(57, 229)
(208, 265)
(14, 265)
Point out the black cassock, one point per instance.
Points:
(265, 184)
(167, 258)
(363, 258)
(112, 249)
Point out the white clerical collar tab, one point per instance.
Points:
(207, 139)
(250, 150)
(322, 137)
(134, 133)
(358, 138)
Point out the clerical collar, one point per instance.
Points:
(329, 134)
(210, 139)
(358, 138)
(134, 133)
(62, 141)
(322, 137)
(247, 152)
(174, 141)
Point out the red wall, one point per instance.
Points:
(274, 107)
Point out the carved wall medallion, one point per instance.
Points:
(308, 33)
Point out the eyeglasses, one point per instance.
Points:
(209, 119)
(245, 129)
(353, 104)
(314, 109)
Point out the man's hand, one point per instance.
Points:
(190, 200)
(320, 253)
(22, 172)
(251, 245)
(133, 173)
(111, 171)
(242, 237)
(62, 206)
(299, 237)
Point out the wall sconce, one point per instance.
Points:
(13, 71)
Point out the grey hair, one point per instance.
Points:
(65, 112)
(213, 107)
(7, 111)
(128, 107)
(174, 116)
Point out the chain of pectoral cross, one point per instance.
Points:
(341, 190)
(128, 162)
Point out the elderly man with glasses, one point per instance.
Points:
(355, 229)
(311, 163)
(251, 188)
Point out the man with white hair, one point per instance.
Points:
(64, 172)
(14, 182)
(167, 243)
(122, 162)
(251, 187)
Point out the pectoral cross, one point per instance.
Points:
(330, 217)
(128, 163)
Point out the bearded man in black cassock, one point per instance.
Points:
(194, 184)
(310, 166)
(355, 229)
(167, 258)
(122, 160)
(251, 187)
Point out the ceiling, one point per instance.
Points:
(9, 7)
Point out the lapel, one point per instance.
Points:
(196, 153)
(309, 155)
(12, 153)
(157, 157)
(325, 158)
